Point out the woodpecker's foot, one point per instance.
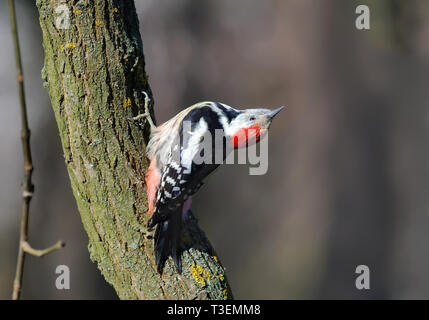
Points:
(150, 232)
(146, 113)
(150, 224)
(150, 228)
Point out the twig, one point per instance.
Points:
(28, 186)
(40, 253)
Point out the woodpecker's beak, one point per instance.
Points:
(273, 113)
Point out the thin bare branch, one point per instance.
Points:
(28, 186)
(40, 253)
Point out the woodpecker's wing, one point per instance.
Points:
(182, 175)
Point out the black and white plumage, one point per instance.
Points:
(174, 175)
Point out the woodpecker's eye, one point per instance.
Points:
(252, 118)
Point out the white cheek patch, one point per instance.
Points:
(237, 125)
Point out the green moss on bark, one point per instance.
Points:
(94, 72)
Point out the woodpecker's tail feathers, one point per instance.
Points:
(167, 242)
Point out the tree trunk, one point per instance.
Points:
(95, 73)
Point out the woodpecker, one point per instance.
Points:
(174, 176)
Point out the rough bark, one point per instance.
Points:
(95, 73)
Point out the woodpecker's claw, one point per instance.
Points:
(146, 114)
(150, 224)
(150, 230)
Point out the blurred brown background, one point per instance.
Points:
(348, 176)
